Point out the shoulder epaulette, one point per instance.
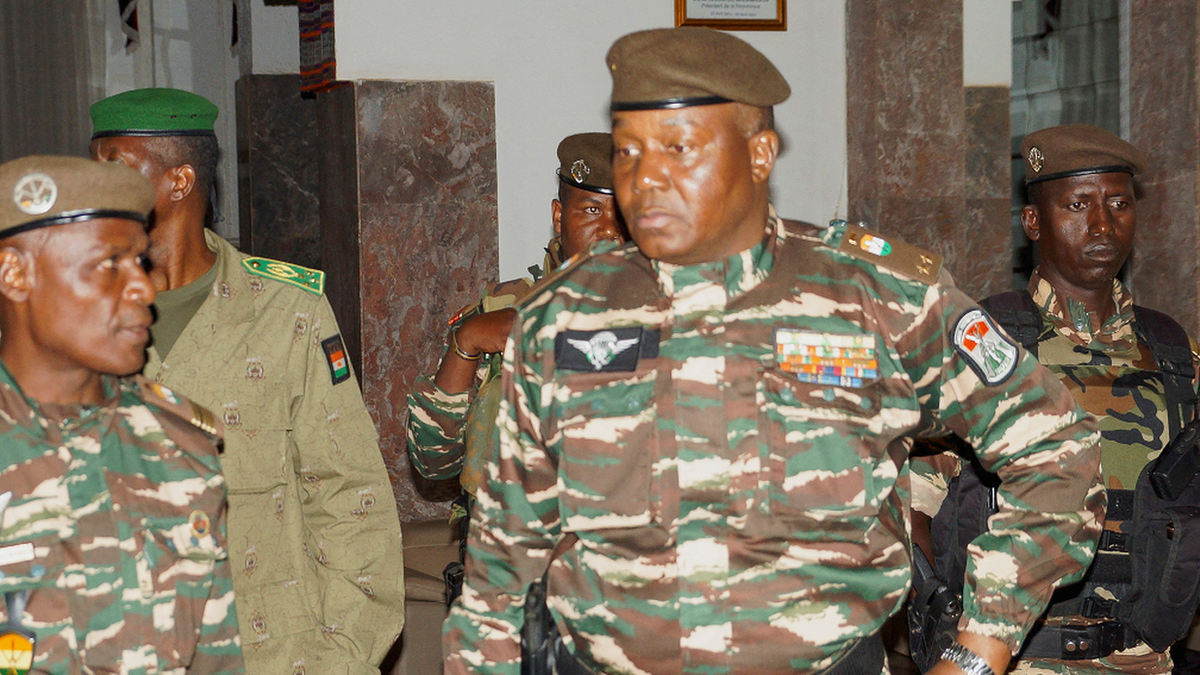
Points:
(200, 417)
(310, 280)
(505, 294)
(894, 255)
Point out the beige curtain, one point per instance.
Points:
(48, 75)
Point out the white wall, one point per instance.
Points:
(987, 43)
(275, 43)
(546, 58)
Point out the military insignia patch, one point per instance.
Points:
(1036, 159)
(893, 255)
(200, 525)
(335, 357)
(312, 281)
(16, 651)
(580, 170)
(611, 350)
(837, 359)
(35, 194)
(875, 244)
(986, 350)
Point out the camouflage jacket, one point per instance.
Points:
(314, 535)
(453, 434)
(116, 530)
(741, 509)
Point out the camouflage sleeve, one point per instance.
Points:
(351, 526)
(1026, 427)
(435, 428)
(509, 545)
(218, 651)
(931, 471)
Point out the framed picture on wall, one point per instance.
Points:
(732, 14)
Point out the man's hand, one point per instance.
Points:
(481, 334)
(992, 650)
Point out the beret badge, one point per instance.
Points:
(1036, 159)
(580, 170)
(35, 193)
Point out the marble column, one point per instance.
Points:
(409, 232)
(928, 159)
(1165, 125)
(277, 170)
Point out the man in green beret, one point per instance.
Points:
(1133, 368)
(112, 505)
(452, 414)
(314, 533)
(703, 441)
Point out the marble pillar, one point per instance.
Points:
(1165, 125)
(409, 232)
(928, 159)
(277, 170)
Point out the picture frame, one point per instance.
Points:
(732, 14)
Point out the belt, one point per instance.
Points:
(1076, 643)
(864, 658)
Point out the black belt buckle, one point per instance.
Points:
(1095, 607)
(1080, 642)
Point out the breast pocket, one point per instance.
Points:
(824, 456)
(608, 424)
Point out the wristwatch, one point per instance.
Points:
(970, 662)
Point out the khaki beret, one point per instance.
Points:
(687, 66)
(157, 111)
(585, 162)
(1076, 150)
(42, 190)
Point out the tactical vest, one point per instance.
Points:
(1153, 529)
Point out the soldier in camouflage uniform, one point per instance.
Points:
(1081, 212)
(112, 507)
(704, 438)
(452, 415)
(313, 529)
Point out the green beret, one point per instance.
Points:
(153, 112)
(585, 162)
(1076, 150)
(680, 67)
(43, 190)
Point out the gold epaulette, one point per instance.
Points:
(310, 280)
(894, 255)
(200, 417)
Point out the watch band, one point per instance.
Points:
(970, 662)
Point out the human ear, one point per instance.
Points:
(183, 181)
(15, 273)
(764, 148)
(556, 215)
(1030, 222)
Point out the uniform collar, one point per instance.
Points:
(737, 274)
(55, 415)
(1071, 318)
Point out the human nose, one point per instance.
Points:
(1102, 221)
(649, 173)
(140, 289)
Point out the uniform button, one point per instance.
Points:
(1078, 325)
(37, 571)
(597, 405)
(788, 395)
(829, 395)
(865, 404)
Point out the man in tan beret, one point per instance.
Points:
(112, 504)
(1135, 370)
(452, 413)
(703, 438)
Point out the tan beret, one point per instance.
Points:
(686, 66)
(42, 190)
(585, 162)
(1076, 150)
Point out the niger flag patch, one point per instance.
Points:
(336, 358)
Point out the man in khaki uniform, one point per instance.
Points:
(313, 533)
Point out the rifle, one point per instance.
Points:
(933, 613)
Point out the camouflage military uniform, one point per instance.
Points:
(1113, 375)
(313, 530)
(451, 434)
(116, 529)
(731, 516)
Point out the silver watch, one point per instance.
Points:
(970, 662)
